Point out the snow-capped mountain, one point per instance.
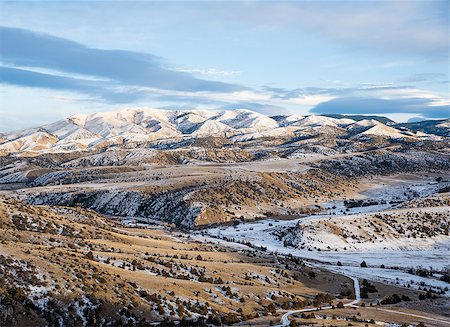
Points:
(363, 124)
(140, 125)
(383, 130)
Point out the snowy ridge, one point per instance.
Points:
(140, 125)
(383, 130)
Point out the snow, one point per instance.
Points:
(35, 141)
(396, 255)
(396, 262)
(82, 132)
(383, 130)
(17, 177)
(246, 119)
(211, 127)
(444, 124)
(134, 125)
(289, 120)
(315, 120)
(275, 132)
(188, 121)
(361, 124)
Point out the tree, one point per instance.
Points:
(363, 264)
(90, 255)
(272, 309)
(180, 310)
(215, 320)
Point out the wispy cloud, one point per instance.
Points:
(268, 109)
(34, 60)
(405, 28)
(424, 77)
(366, 98)
(23, 50)
(210, 72)
(108, 92)
(367, 105)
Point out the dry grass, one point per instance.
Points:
(136, 273)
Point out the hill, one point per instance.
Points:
(437, 127)
(381, 119)
(156, 128)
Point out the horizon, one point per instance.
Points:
(12, 129)
(370, 116)
(213, 110)
(59, 59)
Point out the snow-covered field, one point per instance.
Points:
(386, 263)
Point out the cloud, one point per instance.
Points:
(301, 93)
(35, 60)
(405, 28)
(217, 103)
(25, 49)
(267, 109)
(424, 77)
(210, 72)
(189, 99)
(298, 93)
(364, 98)
(364, 105)
(95, 89)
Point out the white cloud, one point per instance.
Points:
(210, 72)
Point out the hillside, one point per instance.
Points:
(73, 267)
(437, 127)
(381, 119)
(146, 127)
(222, 218)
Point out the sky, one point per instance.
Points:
(58, 58)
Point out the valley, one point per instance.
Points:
(243, 163)
(161, 218)
(392, 242)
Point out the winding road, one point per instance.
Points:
(285, 318)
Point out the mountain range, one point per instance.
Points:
(134, 126)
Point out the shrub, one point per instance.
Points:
(89, 255)
(393, 299)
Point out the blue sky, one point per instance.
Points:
(353, 57)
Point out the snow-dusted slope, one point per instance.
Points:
(383, 130)
(288, 120)
(36, 141)
(363, 124)
(137, 125)
(314, 120)
(213, 128)
(444, 124)
(246, 119)
(142, 125)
